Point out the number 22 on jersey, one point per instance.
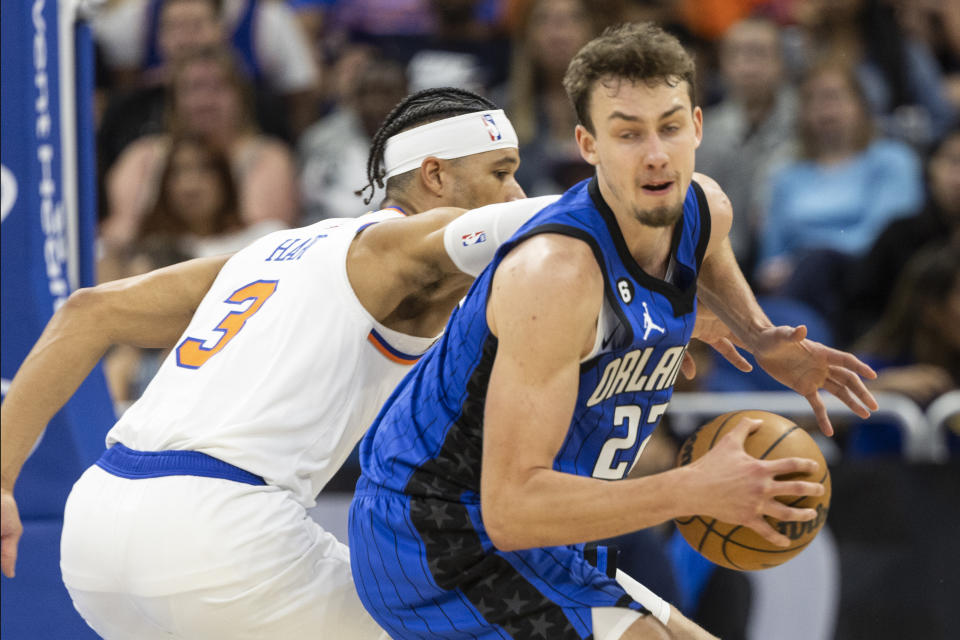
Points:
(191, 354)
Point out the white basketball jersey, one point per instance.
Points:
(281, 369)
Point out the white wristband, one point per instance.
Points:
(472, 239)
(657, 606)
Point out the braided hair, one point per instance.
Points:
(417, 109)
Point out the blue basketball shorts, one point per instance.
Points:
(425, 568)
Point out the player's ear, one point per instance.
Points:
(698, 124)
(587, 144)
(431, 175)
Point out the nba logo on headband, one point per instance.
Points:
(492, 127)
(454, 137)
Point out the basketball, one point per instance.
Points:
(737, 546)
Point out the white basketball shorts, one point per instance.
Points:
(197, 557)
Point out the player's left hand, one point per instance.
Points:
(807, 366)
(10, 531)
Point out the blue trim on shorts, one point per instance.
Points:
(128, 463)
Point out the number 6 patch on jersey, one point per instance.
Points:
(191, 354)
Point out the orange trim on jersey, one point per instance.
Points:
(389, 352)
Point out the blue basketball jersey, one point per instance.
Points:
(422, 561)
(428, 437)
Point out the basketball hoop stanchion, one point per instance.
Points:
(48, 214)
(922, 440)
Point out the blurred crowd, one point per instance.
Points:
(831, 124)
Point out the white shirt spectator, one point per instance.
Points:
(281, 47)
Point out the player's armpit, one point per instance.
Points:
(395, 258)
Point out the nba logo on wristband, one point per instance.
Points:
(473, 238)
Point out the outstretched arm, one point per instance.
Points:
(784, 352)
(150, 310)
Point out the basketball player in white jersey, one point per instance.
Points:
(193, 524)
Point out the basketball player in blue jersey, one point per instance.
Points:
(491, 464)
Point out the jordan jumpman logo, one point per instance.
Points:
(648, 323)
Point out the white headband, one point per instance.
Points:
(454, 137)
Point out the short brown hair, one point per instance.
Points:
(632, 51)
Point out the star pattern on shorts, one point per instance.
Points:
(484, 608)
(455, 545)
(435, 487)
(439, 514)
(516, 603)
(540, 625)
(463, 467)
(487, 583)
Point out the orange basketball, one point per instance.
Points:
(737, 546)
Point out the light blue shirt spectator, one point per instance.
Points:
(842, 207)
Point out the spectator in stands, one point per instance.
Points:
(872, 278)
(266, 36)
(208, 99)
(136, 108)
(828, 207)
(751, 129)
(710, 19)
(546, 34)
(197, 201)
(915, 347)
(314, 16)
(383, 18)
(902, 80)
(195, 215)
(333, 152)
(452, 43)
(937, 24)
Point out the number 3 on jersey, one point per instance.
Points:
(191, 354)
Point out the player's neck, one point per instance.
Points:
(407, 205)
(649, 245)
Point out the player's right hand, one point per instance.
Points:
(10, 531)
(741, 489)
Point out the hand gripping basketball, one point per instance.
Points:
(766, 493)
